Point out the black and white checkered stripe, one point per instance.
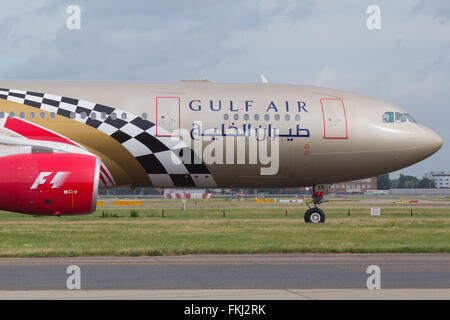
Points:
(136, 134)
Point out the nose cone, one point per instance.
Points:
(431, 140)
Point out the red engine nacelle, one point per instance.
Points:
(49, 183)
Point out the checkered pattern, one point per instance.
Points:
(136, 134)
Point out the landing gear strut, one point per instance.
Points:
(314, 214)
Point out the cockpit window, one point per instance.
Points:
(410, 118)
(391, 117)
(388, 117)
(399, 117)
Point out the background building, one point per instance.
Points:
(441, 179)
(188, 193)
(357, 186)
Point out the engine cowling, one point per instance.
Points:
(49, 183)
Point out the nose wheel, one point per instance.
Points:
(314, 214)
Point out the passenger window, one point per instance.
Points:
(52, 115)
(256, 117)
(73, 115)
(277, 117)
(124, 116)
(246, 117)
(297, 117)
(83, 115)
(225, 117)
(12, 115)
(42, 115)
(144, 116)
(2, 114)
(399, 117)
(287, 117)
(32, 115)
(103, 115)
(266, 117)
(388, 117)
(22, 115)
(410, 118)
(93, 115)
(236, 116)
(113, 116)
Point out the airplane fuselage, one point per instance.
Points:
(303, 136)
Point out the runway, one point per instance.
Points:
(277, 276)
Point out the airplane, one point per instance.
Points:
(62, 141)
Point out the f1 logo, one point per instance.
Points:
(57, 181)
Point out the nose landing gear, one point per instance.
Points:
(314, 214)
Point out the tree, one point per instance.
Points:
(426, 183)
(407, 182)
(384, 182)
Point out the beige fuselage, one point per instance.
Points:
(324, 135)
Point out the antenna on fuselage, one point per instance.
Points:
(263, 79)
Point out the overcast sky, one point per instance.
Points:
(324, 43)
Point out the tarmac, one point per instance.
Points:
(235, 277)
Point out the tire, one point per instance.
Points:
(314, 215)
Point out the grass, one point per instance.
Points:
(250, 229)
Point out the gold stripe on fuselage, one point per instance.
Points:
(111, 152)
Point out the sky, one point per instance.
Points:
(323, 43)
